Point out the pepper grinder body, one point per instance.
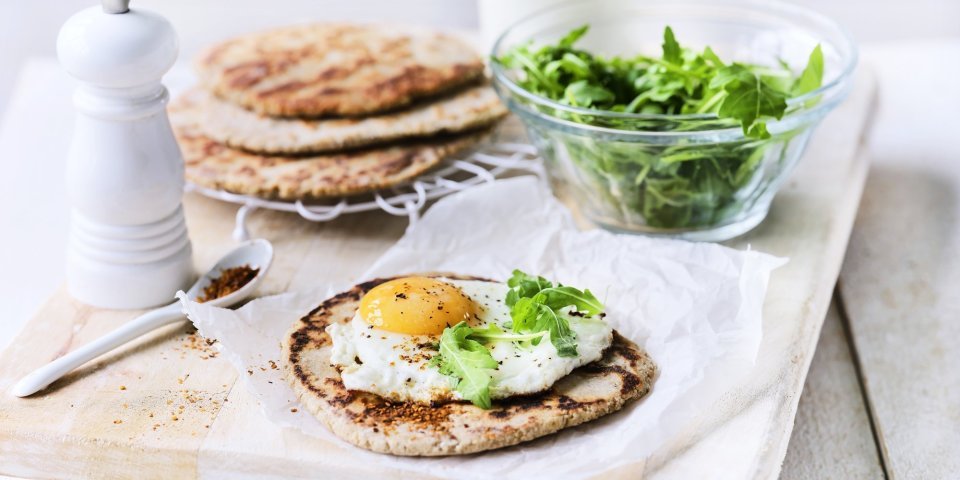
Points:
(128, 244)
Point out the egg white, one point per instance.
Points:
(396, 366)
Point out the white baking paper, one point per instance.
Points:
(695, 307)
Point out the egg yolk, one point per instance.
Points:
(416, 306)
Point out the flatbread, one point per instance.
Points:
(625, 373)
(216, 166)
(337, 68)
(232, 125)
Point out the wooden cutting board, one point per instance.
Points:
(166, 406)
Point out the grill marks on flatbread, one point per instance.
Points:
(337, 69)
(259, 127)
(623, 374)
(473, 108)
(213, 165)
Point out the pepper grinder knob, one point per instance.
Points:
(128, 245)
(115, 6)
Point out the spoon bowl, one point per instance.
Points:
(256, 254)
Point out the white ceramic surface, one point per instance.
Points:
(128, 246)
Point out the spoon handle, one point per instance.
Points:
(44, 376)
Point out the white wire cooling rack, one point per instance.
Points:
(483, 165)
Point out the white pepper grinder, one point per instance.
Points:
(128, 245)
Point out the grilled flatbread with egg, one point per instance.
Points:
(337, 68)
(469, 109)
(317, 362)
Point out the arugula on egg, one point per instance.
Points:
(538, 309)
(468, 362)
(535, 305)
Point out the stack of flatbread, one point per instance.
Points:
(314, 111)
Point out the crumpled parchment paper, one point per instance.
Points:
(695, 307)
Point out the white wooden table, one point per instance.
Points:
(887, 405)
(883, 394)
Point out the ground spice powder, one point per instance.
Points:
(229, 281)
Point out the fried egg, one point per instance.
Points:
(386, 348)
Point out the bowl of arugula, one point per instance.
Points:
(676, 118)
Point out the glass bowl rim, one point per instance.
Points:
(782, 9)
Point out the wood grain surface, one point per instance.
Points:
(832, 437)
(902, 272)
(97, 421)
(162, 400)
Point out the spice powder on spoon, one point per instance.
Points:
(229, 281)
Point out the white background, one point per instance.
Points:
(29, 27)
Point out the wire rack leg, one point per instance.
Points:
(413, 213)
(240, 231)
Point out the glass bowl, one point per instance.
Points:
(689, 176)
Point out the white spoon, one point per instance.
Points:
(255, 253)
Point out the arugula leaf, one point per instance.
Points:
(710, 57)
(536, 307)
(671, 49)
(463, 357)
(748, 99)
(584, 301)
(730, 75)
(571, 63)
(468, 362)
(523, 285)
(583, 94)
(812, 76)
(758, 130)
(569, 39)
(493, 333)
(523, 315)
(561, 335)
(529, 315)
